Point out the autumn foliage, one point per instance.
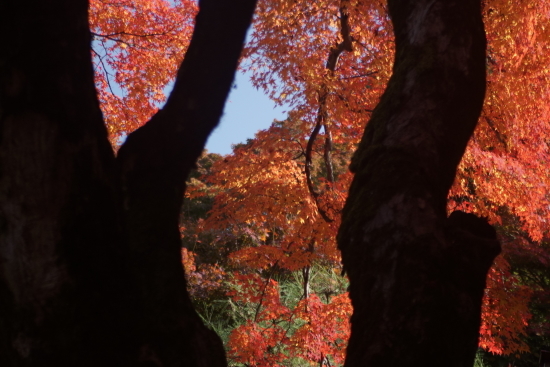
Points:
(137, 48)
(271, 209)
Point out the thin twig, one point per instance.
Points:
(131, 34)
(359, 76)
(105, 72)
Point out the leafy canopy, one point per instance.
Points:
(274, 204)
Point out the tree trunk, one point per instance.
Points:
(90, 267)
(417, 277)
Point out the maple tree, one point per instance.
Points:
(324, 97)
(264, 187)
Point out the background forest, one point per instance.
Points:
(259, 225)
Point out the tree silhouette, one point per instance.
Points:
(91, 261)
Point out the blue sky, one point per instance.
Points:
(247, 110)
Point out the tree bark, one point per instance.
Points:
(417, 276)
(90, 267)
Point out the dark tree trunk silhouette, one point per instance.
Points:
(90, 266)
(417, 276)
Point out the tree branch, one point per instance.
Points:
(322, 114)
(153, 164)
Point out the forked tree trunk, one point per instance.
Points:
(90, 267)
(416, 276)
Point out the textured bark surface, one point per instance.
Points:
(90, 267)
(417, 277)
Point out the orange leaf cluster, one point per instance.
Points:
(267, 339)
(506, 164)
(265, 197)
(137, 48)
(506, 313)
(326, 329)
